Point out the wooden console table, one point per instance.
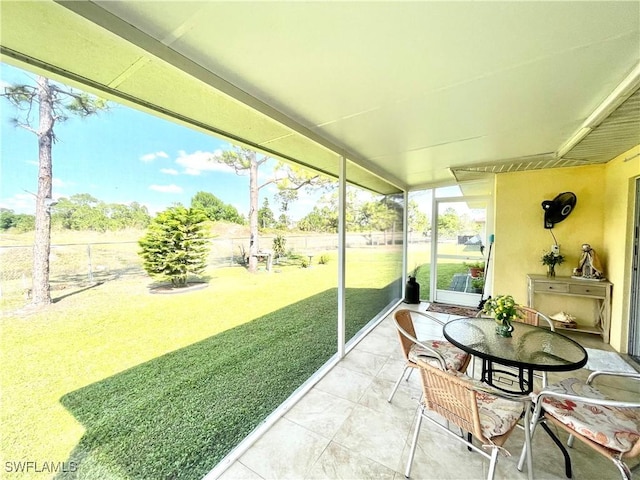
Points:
(599, 291)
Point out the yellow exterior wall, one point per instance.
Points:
(619, 191)
(520, 236)
(602, 217)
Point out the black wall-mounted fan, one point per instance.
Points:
(558, 209)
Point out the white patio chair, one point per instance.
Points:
(609, 426)
(485, 414)
(439, 351)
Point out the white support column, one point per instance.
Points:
(433, 280)
(405, 242)
(342, 226)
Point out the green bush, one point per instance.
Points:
(279, 246)
(476, 264)
(478, 282)
(323, 260)
(175, 245)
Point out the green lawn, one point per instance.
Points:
(126, 384)
(446, 271)
(420, 255)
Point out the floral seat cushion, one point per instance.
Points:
(497, 415)
(453, 356)
(612, 427)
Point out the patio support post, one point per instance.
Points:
(405, 242)
(342, 227)
(433, 280)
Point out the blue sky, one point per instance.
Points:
(120, 156)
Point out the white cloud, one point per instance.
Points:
(20, 203)
(154, 208)
(197, 162)
(166, 188)
(59, 183)
(169, 171)
(150, 157)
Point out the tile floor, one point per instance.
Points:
(344, 428)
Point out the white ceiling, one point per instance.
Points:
(408, 90)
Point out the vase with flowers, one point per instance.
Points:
(551, 259)
(504, 310)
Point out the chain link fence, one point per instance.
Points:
(85, 263)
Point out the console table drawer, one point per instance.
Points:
(591, 290)
(597, 292)
(551, 287)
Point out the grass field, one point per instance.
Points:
(121, 383)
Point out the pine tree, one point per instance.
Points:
(288, 178)
(54, 103)
(175, 245)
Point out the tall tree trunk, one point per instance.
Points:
(253, 213)
(40, 291)
(393, 233)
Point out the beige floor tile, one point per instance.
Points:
(427, 328)
(345, 383)
(320, 412)
(386, 326)
(374, 435)
(404, 403)
(392, 369)
(380, 342)
(370, 437)
(439, 456)
(237, 471)
(548, 462)
(587, 340)
(337, 462)
(364, 362)
(436, 453)
(286, 451)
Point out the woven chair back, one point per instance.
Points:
(404, 320)
(452, 398)
(529, 316)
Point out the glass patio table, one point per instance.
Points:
(530, 348)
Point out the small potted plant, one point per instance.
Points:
(504, 310)
(477, 284)
(551, 259)
(476, 269)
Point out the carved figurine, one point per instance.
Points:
(589, 266)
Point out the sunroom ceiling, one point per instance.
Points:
(415, 92)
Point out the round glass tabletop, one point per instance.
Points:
(529, 346)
